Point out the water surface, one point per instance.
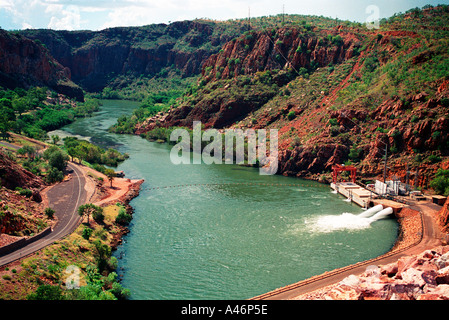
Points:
(210, 235)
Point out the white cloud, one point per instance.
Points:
(67, 19)
(94, 14)
(27, 26)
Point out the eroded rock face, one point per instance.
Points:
(260, 51)
(443, 215)
(94, 57)
(25, 63)
(12, 175)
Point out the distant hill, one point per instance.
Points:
(337, 91)
(102, 58)
(25, 63)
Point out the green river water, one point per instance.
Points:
(212, 236)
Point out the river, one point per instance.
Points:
(211, 235)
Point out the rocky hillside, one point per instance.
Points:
(443, 215)
(338, 94)
(25, 63)
(421, 277)
(97, 58)
(264, 62)
(13, 175)
(21, 213)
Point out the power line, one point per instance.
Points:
(311, 185)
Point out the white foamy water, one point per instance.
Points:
(331, 223)
(346, 221)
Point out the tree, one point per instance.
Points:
(110, 173)
(104, 252)
(90, 209)
(7, 116)
(72, 152)
(55, 138)
(441, 182)
(81, 153)
(46, 292)
(54, 175)
(27, 150)
(56, 158)
(20, 105)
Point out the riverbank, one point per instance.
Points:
(48, 266)
(122, 191)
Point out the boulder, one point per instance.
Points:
(442, 261)
(443, 276)
(404, 263)
(389, 269)
(419, 277)
(342, 292)
(440, 292)
(405, 291)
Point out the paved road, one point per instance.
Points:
(64, 198)
(431, 238)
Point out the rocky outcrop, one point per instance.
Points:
(287, 48)
(443, 216)
(421, 277)
(250, 54)
(25, 63)
(302, 161)
(12, 175)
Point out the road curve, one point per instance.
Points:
(65, 198)
(431, 238)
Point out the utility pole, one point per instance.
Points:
(249, 18)
(407, 175)
(385, 164)
(417, 178)
(283, 14)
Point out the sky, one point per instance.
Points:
(101, 14)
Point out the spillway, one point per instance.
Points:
(382, 214)
(371, 211)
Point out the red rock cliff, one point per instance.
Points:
(25, 63)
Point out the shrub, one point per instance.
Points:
(54, 175)
(49, 212)
(441, 182)
(354, 153)
(123, 218)
(87, 232)
(291, 115)
(333, 122)
(433, 158)
(24, 192)
(47, 292)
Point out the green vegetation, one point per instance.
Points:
(123, 218)
(35, 111)
(98, 157)
(441, 182)
(89, 209)
(46, 274)
(150, 106)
